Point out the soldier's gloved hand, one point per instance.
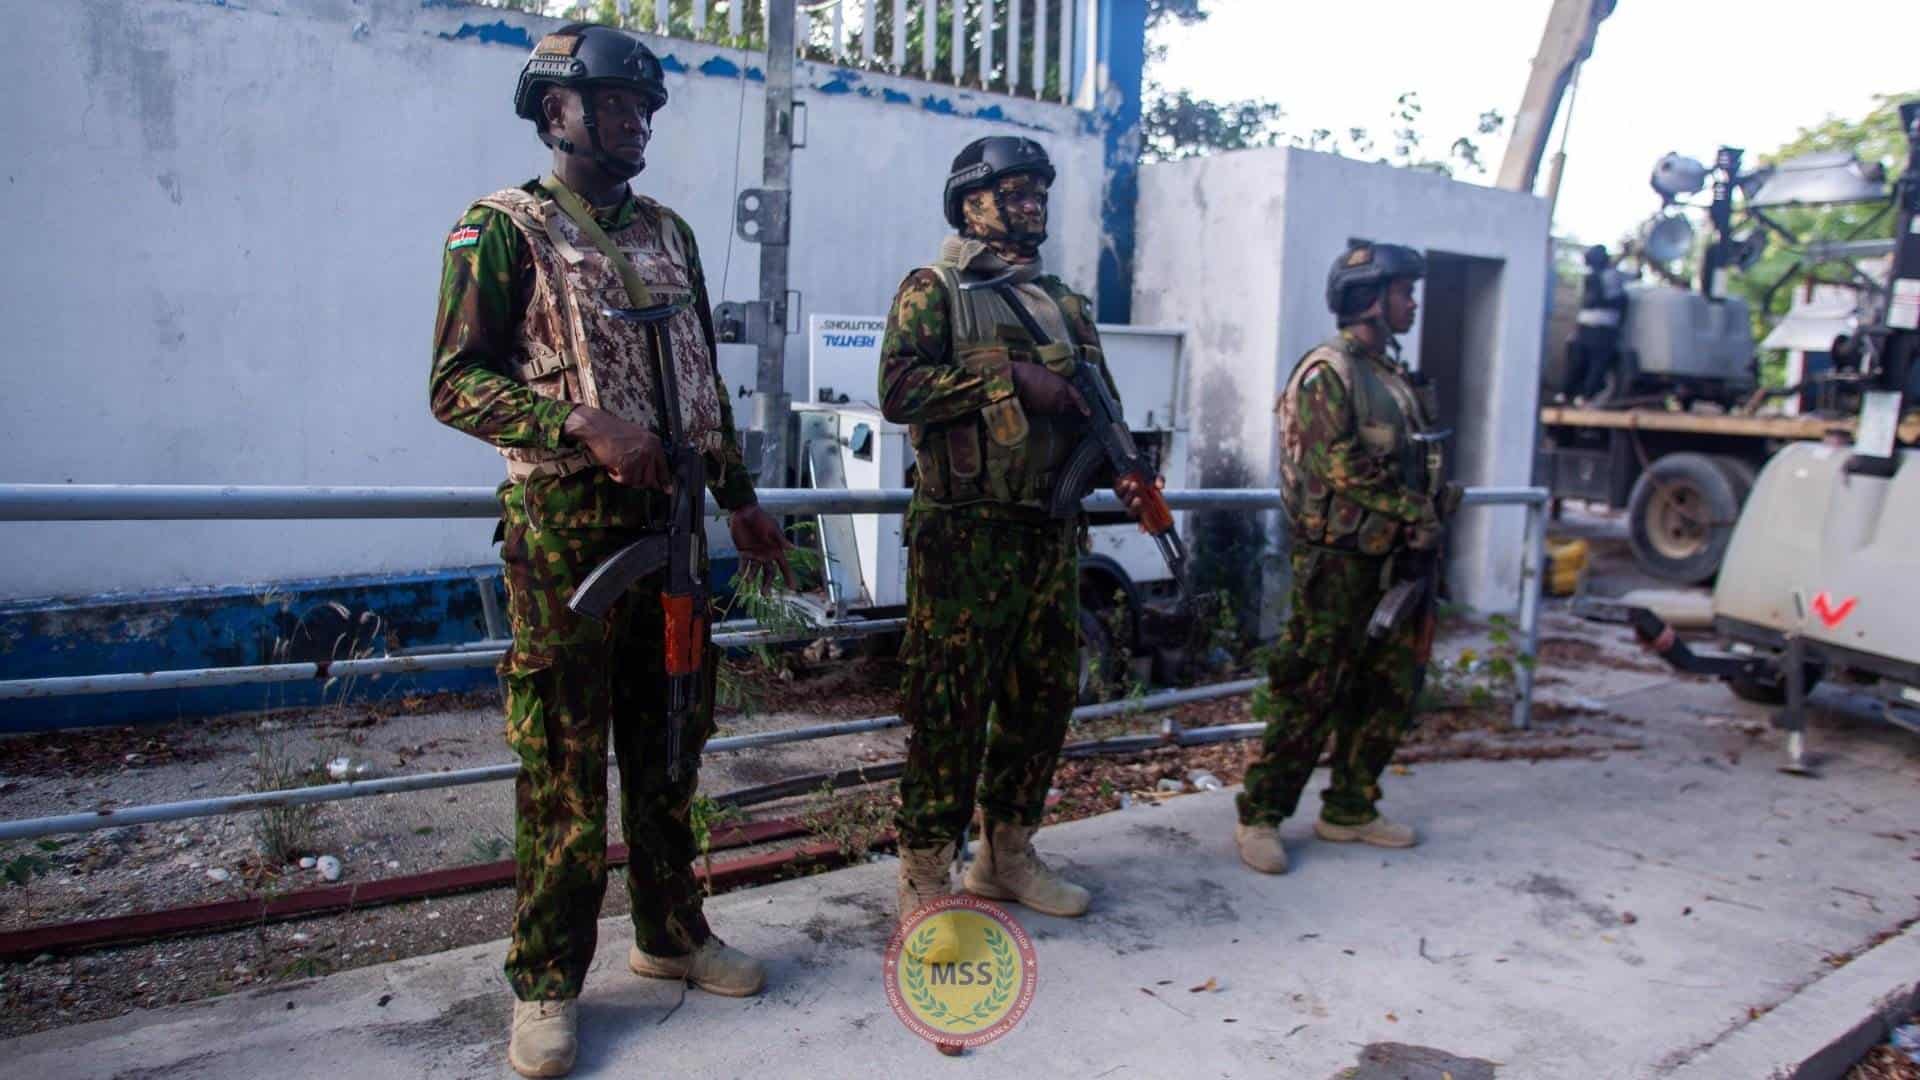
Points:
(1041, 391)
(761, 544)
(633, 455)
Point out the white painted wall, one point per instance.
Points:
(1237, 246)
(227, 226)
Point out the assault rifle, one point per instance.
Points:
(1108, 442)
(684, 596)
(1415, 596)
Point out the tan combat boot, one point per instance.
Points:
(926, 875)
(1379, 832)
(1007, 868)
(716, 967)
(546, 1038)
(1260, 848)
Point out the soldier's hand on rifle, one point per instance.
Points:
(633, 455)
(761, 544)
(1042, 391)
(1130, 489)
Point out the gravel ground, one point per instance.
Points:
(146, 868)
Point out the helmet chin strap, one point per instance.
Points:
(1026, 242)
(607, 163)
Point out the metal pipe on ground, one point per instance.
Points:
(202, 918)
(32, 828)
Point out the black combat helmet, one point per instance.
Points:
(584, 55)
(1363, 270)
(984, 161)
(1596, 257)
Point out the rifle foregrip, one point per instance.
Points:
(686, 633)
(1155, 517)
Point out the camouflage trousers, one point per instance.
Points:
(993, 607)
(572, 684)
(1326, 677)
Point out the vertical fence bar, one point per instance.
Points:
(1086, 88)
(1013, 46)
(735, 25)
(839, 31)
(869, 18)
(957, 43)
(929, 37)
(1066, 49)
(699, 20)
(662, 16)
(1533, 567)
(986, 44)
(899, 59)
(1040, 13)
(802, 30)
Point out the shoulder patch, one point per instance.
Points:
(462, 237)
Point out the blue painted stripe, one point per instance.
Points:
(291, 621)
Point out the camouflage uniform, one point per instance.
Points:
(574, 682)
(993, 597)
(1355, 504)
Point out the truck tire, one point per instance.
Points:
(1681, 516)
(1740, 473)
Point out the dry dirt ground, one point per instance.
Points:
(145, 868)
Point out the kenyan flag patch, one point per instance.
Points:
(464, 236)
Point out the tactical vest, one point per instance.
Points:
(568, 348)
(1000, 454)
(1387, 409)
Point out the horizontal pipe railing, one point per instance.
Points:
(32, 828)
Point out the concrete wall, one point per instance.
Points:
(235, 216)
(1237, 246)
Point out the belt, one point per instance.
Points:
(1597, 317)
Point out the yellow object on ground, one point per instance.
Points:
(1566, 565)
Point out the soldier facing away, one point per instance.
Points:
(528, 355)
(1363, 481)
(992, 590)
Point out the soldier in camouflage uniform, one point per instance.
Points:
(1366, 502)
(992, 589)
(526, 358)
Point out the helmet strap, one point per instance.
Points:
(605, 162)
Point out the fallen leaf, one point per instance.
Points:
(1210, 985)
(1402, 770)
(1629, 918)
(1164, 982)
(1392, 1019)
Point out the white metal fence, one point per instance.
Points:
(1041, 49)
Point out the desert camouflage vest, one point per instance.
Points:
(1387, 409)
(568, 347)
(1000, 454)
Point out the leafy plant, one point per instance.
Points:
(21, 869)
(284, 833)
(704, 816)
(853, 821)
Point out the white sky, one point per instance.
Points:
(1686, 75)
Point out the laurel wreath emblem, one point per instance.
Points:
(936, 1010)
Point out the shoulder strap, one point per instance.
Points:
(637, 292)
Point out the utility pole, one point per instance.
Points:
(761, 216)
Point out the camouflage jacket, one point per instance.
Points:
(486, 283)
(930, 381)
(1345, 479)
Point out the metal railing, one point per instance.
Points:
(1029, 48)
(131, 502)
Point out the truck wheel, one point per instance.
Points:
(1681, 516)
(1096, 657)
(1740, 473)
(1771, 688)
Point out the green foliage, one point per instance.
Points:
(765, 601)
(853, 822)
(1875, 139)
(487, 849)
(703, 816)
(284, 833)
(22, 868)
(1478, 680)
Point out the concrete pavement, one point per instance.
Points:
(1623, 917)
